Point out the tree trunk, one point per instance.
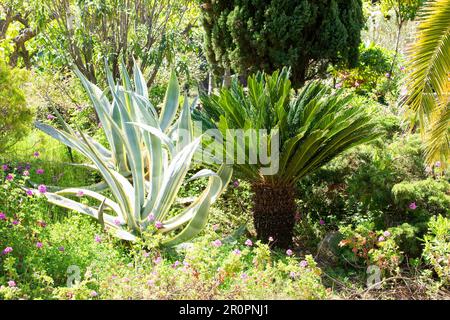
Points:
(274, 213)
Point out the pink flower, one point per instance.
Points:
(2, 216)
(292, 274)
(50, 117)
(236, 183)
(215, 227)
(437, 164)
(80, 193)
(146, 254)
(62, 249)
(151, 217)
(237, 252)
(381, 239)
(117, 222)
(36, 154)
(386, 234)
(39, 245)
(26, 173)
(11, 284)
(29, 192)
(4, 167)
(9, 177)
(97, 238)
(43, 224)
(338, 85)
(321, 222)
(94, 294)
(15, 222)
(158, 225)
(248, 242)
(7, 250)
(39, 171)
(303, 263)
(176, 264)
(217, 243)
(270, 239)
(42, 188)
(388, 75)
(289, 252)
(158, 260)
(413, 206)
(244, 276)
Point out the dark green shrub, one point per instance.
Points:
(305, 35)
(428, 196)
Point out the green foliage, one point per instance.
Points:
(15, 114)
(437, 247)
(363, 245)
(430, 196)
(404, 9)
(86, 32)
(74, 246)
(357, 186)
(306, 35)
(43, 245)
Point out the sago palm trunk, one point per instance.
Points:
(274, 213)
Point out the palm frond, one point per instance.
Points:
(429, 78)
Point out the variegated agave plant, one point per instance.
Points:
(149, 158)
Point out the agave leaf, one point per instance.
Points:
(173, 178)
(198, 211)
(185, 128)
(85, 192)
(100, 213)
(139, 82)
(78, 207)
(170, 105)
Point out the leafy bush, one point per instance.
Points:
(363, 245)
(208, 269)
(358, 186)
(371, 76)
(47, 251)
(437, 247)
(266, 35)
(37, 247)
(428, 196)
(15, 115)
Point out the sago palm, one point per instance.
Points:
(429, 80)
(311, 128)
